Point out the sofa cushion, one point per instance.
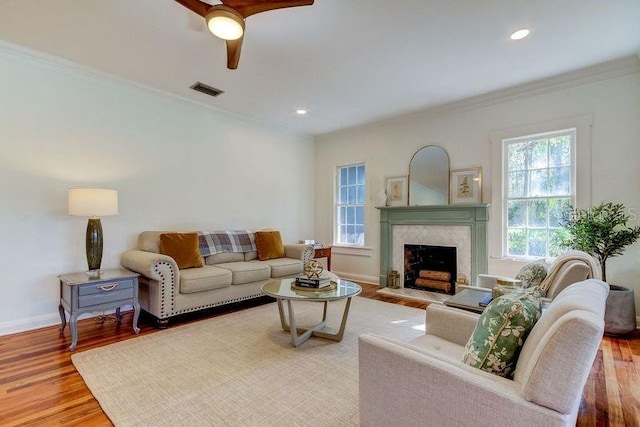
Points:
(221, 257)
(501, 330)
(439, 345)
(269, 244)
(246, 272)
(149, 241)
(281, 267)
(251, 255)
(204, 279)
(183, 248)
(533, 274)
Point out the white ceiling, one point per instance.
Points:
(347, 61)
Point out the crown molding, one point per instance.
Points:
(60, 65)
(603, 71)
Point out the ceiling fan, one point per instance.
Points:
(226, 20)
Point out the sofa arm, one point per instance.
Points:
(450, 324)
(146, 263)
(393, 376)
(299, 251)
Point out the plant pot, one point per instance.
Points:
(620, 314)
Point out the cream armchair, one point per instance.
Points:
(424, 382)
(570, 267)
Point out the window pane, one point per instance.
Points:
(517, 155)
(556, 236)
(516, 241)
(560, 151)
(360, 235)
(351, 198)
(360, 191)
(360, 215)
(538, 154)
(352, 176)
(516, 212)
(537, 213)
(361, 175)
(517, 184)
(560, 181)
(343, 175)
(343, 195)
(343, 234)
(537, 243)
(351, 231)
(351, 215)
(558, 210)
(343, 215)
(538, 183)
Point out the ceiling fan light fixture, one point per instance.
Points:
(225, 22)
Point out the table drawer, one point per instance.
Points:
(106, 287)
(322, 252)
(125, 295)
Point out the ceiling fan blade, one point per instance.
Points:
(251, 7)
(199, 7)
(233, 53)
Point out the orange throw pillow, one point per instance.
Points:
(269, 244)
(183, 248)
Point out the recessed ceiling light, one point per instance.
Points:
(520, 34)
(301, 112)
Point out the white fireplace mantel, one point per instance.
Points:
(473, 218)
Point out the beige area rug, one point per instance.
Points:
(240, 369)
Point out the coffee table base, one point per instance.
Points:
(300, 335)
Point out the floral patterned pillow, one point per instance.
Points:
(501, 330)
(533, 274)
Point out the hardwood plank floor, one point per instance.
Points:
(40, 386)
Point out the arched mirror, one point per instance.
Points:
(429, 177)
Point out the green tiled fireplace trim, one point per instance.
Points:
(474, 216)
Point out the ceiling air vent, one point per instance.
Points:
(211, 91)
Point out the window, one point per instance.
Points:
(350, 205)
(539, 185)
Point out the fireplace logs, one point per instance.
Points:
(438, 280)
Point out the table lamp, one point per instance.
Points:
(93, 202)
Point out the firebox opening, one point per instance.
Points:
(430, 268)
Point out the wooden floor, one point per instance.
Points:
(39, 385)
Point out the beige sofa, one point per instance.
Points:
(425, 382)
(166, 291)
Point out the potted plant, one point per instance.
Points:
(602, 232)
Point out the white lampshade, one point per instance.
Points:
(225, 22)
(93, 202)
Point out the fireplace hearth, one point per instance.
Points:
(430, 268)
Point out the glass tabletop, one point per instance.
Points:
(282, 289)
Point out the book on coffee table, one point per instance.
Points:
(312, 282)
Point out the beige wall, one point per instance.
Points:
(175, 164)
(465, 130)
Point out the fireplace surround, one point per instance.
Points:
(462, 226)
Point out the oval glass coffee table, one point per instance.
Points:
(282, 291)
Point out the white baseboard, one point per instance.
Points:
(31, 323)
(21, 325)
(372, 280)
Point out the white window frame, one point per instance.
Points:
(505, 182)
(583, 125)
(338, 205)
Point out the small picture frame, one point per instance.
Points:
(397, 191)
(466, 186)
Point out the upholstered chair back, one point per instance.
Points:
(557, 356)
